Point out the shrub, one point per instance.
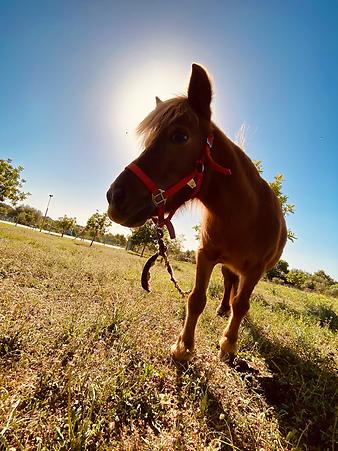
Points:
(333, 290)
(297, 278)
(279, 271)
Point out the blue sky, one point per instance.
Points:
(76, 76)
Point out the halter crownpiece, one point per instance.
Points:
(193, 180)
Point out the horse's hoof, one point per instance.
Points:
(180, 353)
(228, 350)
(228, 358)
(222, 312)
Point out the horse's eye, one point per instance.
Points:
(179, 137)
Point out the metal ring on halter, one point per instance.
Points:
(210, 141)
(159, 197)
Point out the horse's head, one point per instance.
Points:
(175, 133)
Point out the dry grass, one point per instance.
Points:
(84, 361)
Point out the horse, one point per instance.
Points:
(186, 156)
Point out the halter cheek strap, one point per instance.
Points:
(193, 180)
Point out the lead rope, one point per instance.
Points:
(162, 252)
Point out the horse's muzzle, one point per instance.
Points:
(126, 209)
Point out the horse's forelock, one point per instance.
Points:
(163, 116)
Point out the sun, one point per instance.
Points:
(136, 96)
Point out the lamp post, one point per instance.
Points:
(44, 218)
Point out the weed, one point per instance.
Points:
(216, 289)
(10, 346)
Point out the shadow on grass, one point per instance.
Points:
(302, 391)
(303, 394)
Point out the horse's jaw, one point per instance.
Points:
(136, 219)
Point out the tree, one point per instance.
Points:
(279, 271)
(115, 240)
(276, 186)
(175, 246)
(6, 211)
(197, 229)
(187, 256)
(97, 224)
(79, 231)
(24, 214)
(64, 224)
(11, 182)
(145, 236)
(321, 274)
(319, 281)
(287, 208)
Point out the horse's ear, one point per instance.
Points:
(158, 101)
(199, 91)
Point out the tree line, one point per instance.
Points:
(11, 185)
(318, 281)
(94, 230)
(142, 238)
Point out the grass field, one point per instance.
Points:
(84, 358)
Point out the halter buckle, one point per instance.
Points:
(159, 197)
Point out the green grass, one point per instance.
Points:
(84, 358)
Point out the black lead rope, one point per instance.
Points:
(162, 252)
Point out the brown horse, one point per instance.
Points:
(243, 227)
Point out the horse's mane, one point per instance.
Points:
(162, 116)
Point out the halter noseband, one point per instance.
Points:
(193, 180)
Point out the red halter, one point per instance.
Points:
(193, 180)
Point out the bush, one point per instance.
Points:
(297, 278)
(309, 284)
(318, 281)
(279, 271)
(332, 290)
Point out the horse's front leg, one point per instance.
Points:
(239, 307)
(183, 349)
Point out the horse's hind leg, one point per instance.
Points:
(184, 347)
(239, 307)
(230, 290)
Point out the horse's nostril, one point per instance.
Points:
(118, 195)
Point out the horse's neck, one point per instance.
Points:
(226, 191)
(230, 154)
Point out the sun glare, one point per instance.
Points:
(136, 97)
